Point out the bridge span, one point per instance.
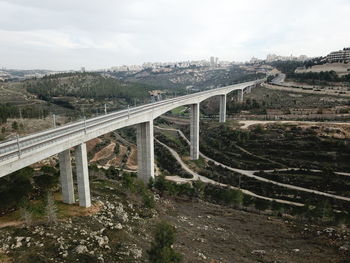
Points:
(27, 150)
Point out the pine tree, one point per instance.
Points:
(161, 249)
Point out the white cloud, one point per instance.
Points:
(68, 34)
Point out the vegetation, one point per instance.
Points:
(51, 209)
(276, 147)
(25, 184)
(85, 85)
(325, 180)
(11, 111)
(161, 250)
(321, 77)
(168, 163)
(287, 66)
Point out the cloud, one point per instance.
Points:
(97, 34)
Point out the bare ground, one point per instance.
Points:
(104, 153)
(227, 235)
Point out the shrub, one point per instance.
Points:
(161, 250)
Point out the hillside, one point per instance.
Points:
(196, 78)
(119, 228)
(339, 68)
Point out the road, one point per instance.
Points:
(279, 79)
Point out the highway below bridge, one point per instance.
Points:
(24, 151)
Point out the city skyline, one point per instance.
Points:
(68, 35)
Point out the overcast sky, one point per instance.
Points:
(68, 34)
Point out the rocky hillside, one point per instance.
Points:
(119, 228)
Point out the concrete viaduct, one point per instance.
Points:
(24, 151)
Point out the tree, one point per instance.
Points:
(239, 198)
(161, 249)
(15, 126)
(27, 216)
(51, 210)
(46, 182)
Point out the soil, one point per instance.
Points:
(227, 235)
(132, 160)
(104, 153)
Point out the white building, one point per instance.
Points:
(339, 56)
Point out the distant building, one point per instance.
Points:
(212, 62)
(274, 57)
(82, 69)
(339, 56)
(255, 60)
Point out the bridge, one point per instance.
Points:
(24, 151)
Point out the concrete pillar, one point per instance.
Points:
(222, 116)
(66, 177)
(240, 95)
(194, 133)
(81, 163)
(145, 151)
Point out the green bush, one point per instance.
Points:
(15, 187)
(161, 250)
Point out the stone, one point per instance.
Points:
(81, 249)
(201, 255)
(258, 252)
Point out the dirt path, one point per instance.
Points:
(259, 157)
(251, 174)
(246, 124)
(300, 90)
(204, 179)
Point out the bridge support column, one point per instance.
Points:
(222, 116)
(66, 177)
(81, 163)
(145, 151)
(240, 95)
(194, 133)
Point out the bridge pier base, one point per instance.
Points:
(222, 116)
(145, 151)
(194, 131)
(240, 95)
(81, 163)
(66, 177)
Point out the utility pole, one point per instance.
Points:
(105, 108)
